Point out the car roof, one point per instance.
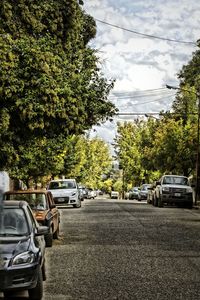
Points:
(27, 192)
(66, 179)
(168, 175)
(15, 203)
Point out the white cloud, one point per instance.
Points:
(140, 63)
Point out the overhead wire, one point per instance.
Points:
(150, 36)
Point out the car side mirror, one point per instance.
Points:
(157, 182)
(42, 230)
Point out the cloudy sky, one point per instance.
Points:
(143, 65)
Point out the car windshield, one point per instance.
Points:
(175, 180)
(145, 187)
(35, 200)
(13, 222)
(62, 185)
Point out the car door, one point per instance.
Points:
(54, 211)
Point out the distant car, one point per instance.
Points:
(126, 195)
(65, 192)
(151, 193)
(44, 210)
(91, 194)
(133, 193)
(143, 191)
(22, 251)
(81, 193)
(100, 192)
(114, 195)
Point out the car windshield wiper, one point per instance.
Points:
(10, 234)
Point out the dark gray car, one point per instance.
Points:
(22, 251)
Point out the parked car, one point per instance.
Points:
(173, 189)
(22, 251)
(91, 194)
(133, 193)
(143, 191)
(114, 195)
(82, 192)
(44, 210)
(126, 195)
(151, 193)
(65, 192)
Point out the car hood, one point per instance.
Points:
(62, 192)
(11, 246)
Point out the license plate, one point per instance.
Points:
(61, 199)
(177, 194)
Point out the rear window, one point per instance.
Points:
(65, 184)
(35, 200)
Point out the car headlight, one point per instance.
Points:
(74, 194)
(24, 258)
(188, 190)
(165, 189)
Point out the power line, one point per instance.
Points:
(136, 114)
(121, 97)
(147, 35)
(145, 92)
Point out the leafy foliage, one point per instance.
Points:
(50, 82)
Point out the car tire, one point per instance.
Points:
(160, 203)
(8, 295)
(77, 205)
(155, 201)
(56, 233)
(49, 238)
(190, 205)
(44, 275)
(37, 292)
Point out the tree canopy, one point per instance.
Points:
(51, 85)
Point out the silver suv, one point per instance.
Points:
(173, 189)
(65, 192)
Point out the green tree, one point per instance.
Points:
(50, 82)
(87, 160)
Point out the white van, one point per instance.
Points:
(65, 192)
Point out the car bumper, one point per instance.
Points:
(65, 201)
(168, 198)
(19, 279)
(143, 197)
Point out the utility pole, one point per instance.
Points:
(197, 191)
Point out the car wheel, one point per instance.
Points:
(160, 203)
(77, 205)
(37, 292)
(155, 201)
(44, 275)
(56, 233)
(8, 295)
(49, 238)
(190, 205)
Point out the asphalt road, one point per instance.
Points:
(111, 249)
(120, 249)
